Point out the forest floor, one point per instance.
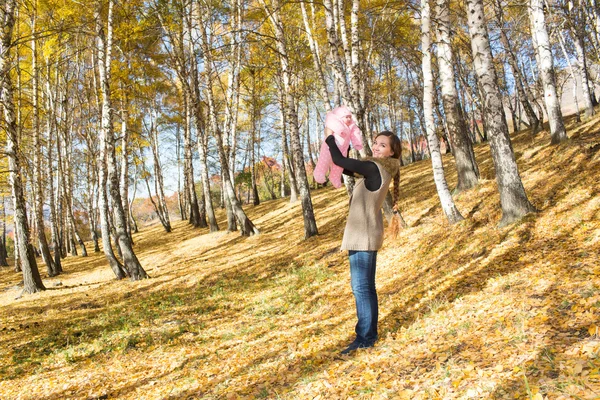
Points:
(466, 311)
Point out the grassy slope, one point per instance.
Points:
(466, 311)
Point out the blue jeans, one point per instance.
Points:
(362, 274)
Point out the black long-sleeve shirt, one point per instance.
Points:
(368, 169)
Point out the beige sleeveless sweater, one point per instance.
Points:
(364, 227)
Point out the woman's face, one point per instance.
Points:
(347, 119)
(382, 147)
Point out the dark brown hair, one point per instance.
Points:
(396, 146)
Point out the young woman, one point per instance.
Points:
(363, 234)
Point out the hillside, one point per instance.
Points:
(466, 311)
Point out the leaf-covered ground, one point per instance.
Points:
(466, 311)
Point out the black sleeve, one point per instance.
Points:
(345, 171)
(368, 169)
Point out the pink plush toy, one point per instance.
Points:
(345, 131)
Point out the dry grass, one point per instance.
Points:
(466, 311)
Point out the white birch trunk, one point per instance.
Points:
(582, 69)
(546, 69)
(572, 73)
(37, 187)
(130, 260)
(247, 228)
(467, 171)
(314, 48)
(158, 174)
(524, 94)
(513, 199)
(310, 225)
(124, 175)
(32, 281)
(334, 53)
(452, 213)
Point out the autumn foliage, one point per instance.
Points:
(466, 311)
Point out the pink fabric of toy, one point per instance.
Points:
(344, 135)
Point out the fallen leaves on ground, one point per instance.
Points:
(466, 311)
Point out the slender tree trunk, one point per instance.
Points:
(532, 118)
(335, 60)
(288, 163)
(124, 175)
(3, 251)
(206, 210)
(546, 67)
(251, 141)
(107, 144)
(60, 181)
(314, 48)
(17, 256)
(68, 194)
(310, 225)
(513, 198)
(195, 219)
(158, 174)
(247, 228)
(180, 201)
(52, 193)
(282, 189)
(582, 67)
(38, 189)
(115, 265)
(32, 281)
(573, 77)
(92, 195)
(452, 213)
(134, 225)
(467, 170)
(229, 131)
(210, 210)
(309, 147)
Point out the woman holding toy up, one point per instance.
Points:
(363, 234)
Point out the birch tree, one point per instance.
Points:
(450, 210)
(513, 199)
(246, 226)
(543, 51)
(464, 157)
(38, 189)
(32, 281)
(316, 56)
(273, 13)
(161, 204)
(175, 20)
(107, 145)
(524, 94)
(576, 16)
